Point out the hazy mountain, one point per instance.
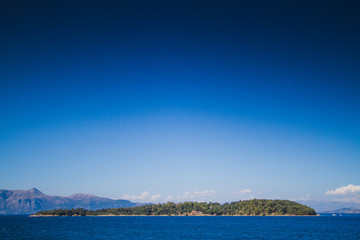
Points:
(345, 210)
(328, 206)
(33, 200)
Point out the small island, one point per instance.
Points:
(254, 207)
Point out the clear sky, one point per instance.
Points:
(181, 100)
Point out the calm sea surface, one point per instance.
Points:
(323, 227)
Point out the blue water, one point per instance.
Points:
(321, 227)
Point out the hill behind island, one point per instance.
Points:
(33, 200)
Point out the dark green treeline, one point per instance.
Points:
(255, 207)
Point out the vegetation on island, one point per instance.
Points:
(254, 207)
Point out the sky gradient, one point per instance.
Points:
(181, 100)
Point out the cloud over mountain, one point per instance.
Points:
(344, 190)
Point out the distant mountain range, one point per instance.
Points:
(328, 206)
(33, 200)
(344, 211)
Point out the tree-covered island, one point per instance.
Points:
(254, 207)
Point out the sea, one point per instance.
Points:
(176, 227)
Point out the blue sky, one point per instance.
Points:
(214, 101)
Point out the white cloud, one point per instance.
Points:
(155, 197)
(198, 196)
(205, 193)
(144, 197)
(169, 198)
(194, 196)
(344, 190)
(241, 192)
